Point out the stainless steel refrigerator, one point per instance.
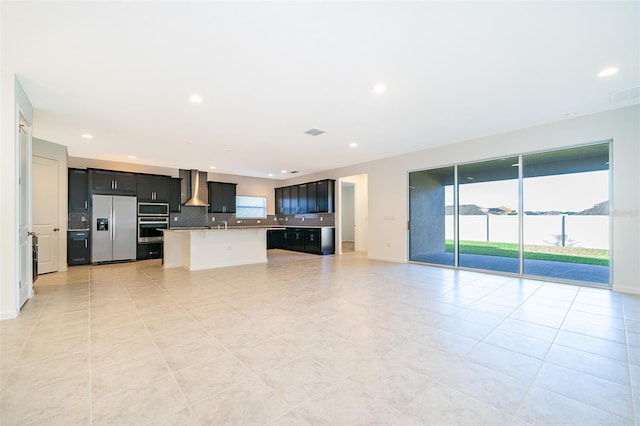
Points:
(113, 229)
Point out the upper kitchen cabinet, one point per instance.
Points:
(175, 195)
(293, 200)
(279, 201)
(286, 200)
(153, 188)
(78, 190)
(310, 197)
(222, 197)
(112, 182)
(325, 197)
(302, 198)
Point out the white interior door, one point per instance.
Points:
(25, 281)
(46, 220)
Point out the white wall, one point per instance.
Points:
(13, 99)
(53, 151)
(388, 181)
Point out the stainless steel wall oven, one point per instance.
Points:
(149, 229)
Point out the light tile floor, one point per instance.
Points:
(309, 340)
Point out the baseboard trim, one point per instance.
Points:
(626, 289)
(12, 314)
(387, 259)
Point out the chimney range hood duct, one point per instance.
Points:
(195, 189)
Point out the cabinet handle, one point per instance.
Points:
(85, 243)
(86, 205)
(116, 183)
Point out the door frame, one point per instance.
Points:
(361, 211)
(24, 206)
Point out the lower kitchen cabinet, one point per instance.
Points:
(319, 240)
(149, 251)
(307, 240)
(275, 238)
(78, 248)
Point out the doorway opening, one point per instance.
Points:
(353, 210)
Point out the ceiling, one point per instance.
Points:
(268, 71)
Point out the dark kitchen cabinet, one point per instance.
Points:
(78, 248)
(297, 239)
(175, 195)
(153, 188)
(279, 207)
(287, 238)
(319, 240)
(308, 240)
(149, 251)
(312, 197)
(112, 182)
(275, 238)
(325, 197)
(78, 190)
(293, 191)
(302, 198)
(222, 197)
(286, 200)
(312, 240)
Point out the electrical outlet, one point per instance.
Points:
(213, 218)
(257, 221)
(321, 218)
(175, 218)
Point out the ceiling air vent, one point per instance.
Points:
(314, 132)
(294, 172)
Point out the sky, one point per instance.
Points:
(572, 192)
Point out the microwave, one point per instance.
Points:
(153, 209)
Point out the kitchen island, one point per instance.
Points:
(206, 248)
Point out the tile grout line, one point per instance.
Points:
(171, 373)
(227, 350)
(521, 405)
(631, 387)
(90, 353)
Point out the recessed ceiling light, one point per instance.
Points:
(608, 71)
(212, 167)
(87, 136)
(379, 88)
(270, 174)
(353, 145)
(133, 157)
(196, 99)
(283, 171)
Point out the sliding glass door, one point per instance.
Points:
(566, 222)
(488, 215)
(542, 214)
(431, 216)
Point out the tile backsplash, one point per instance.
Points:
(193, 216)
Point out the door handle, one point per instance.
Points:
(31, 234)
(56, 229)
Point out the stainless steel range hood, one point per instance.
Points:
(195, 199)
